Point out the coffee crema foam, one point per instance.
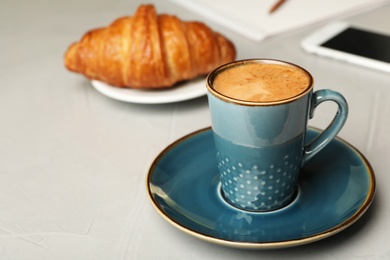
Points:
(261, 82)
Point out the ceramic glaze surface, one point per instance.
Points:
(259, 125)
(259, 150)
(259, 142)
(259, 178)
(335, 188)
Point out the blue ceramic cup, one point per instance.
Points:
(260, 144)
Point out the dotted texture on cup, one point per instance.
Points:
(258, 187)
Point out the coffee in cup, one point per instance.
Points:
(262, 82)
(259, 113)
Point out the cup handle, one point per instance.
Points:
(319, 142)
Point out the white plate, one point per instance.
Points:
(183, 91)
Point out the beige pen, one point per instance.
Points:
(276, 6)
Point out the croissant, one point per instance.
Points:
(148, 51)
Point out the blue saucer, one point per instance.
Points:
(335, 189)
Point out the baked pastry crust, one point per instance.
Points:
(149, 51)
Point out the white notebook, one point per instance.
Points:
(252, 19)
